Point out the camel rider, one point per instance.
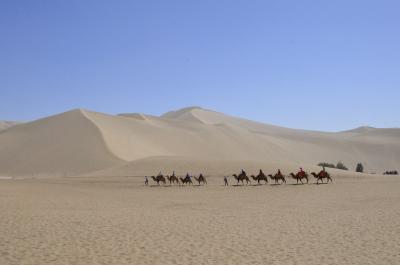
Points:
(323, 170)
(261, 172)
(279, 172)
(244, 173)
(188, 176)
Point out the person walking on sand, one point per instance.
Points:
(146, 181)
(226, 181)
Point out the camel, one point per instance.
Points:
(172, 179)
(277, 177)
(300, 177)
(158, 179)
(201, 179)
(321, 176)
(186, 180)
(242, 176)
(261, 176)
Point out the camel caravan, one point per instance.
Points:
(300, 177)
(174, 180)
(279, 178)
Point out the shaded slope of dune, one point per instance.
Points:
(65, 144)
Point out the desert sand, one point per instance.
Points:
(355, 220)
(72, 192)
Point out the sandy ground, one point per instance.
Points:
(119, 221)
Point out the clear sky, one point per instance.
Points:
(325, 65)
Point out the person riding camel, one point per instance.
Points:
(323, 171)
(302, 172)
(243, 172)
(279, 172)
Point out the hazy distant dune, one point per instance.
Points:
(7, 124)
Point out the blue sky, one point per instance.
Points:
(324, 65)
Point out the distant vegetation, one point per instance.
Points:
(390, 172)
(339, 165)
(360, 168)
(325, 164)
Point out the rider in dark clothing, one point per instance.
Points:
(226, 181)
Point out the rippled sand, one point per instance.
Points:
(119, 221)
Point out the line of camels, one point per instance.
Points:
(278, 178)
(173, 179)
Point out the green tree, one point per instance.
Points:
(360, 168)
(340, 165)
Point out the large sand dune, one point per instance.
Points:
(85, 142)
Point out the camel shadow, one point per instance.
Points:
(155, 185)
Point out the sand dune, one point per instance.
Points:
(85, 142)
(65, 144)
(7, 124)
